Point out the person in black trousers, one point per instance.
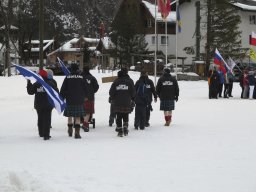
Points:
(42, 105)
(122, 92)
(141, 103)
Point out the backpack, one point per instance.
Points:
(141, 97)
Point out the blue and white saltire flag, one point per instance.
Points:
(63, 67)
(54, 98)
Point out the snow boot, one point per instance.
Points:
(70, 130)
(85, 126)
(125, 129)
(77, 131)
(120, 131)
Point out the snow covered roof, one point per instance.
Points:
(68, 46)
(151, 7)
(11, 27)
(246, 5)
(37, 42)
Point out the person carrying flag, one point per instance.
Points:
(42, 104)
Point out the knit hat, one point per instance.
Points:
(125, 70)
(86, 69)
(50, 73)
(167, 70)
(74, 67)
(43, 73)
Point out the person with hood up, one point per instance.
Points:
(42, 104)
(73, 91)
(122, 92)
(141, 102)
(168, 91)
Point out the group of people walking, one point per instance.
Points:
(78, 90)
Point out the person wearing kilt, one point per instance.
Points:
(122, 92)
(73, 91)
(168, 91)
(91, 86)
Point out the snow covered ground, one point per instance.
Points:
(210, 146)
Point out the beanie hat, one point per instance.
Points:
(74, 67)
(50, 73)
(43, 73)
(125, 70)
(86, 69)
(167, 70)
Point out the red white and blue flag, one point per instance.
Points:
(218, 60)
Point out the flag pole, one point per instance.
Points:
(156, 41)
(166, 57)
(176, 39)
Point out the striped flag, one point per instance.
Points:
(218, 60)
(164, 7)
(178, 19)
(63, 67)
(253, 38)
(54, 98)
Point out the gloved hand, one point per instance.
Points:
(176, 98)
(155, 99)
(109, 100)
(150, 108)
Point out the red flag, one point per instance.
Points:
(164, 7)
(102, 30)
(253, 39)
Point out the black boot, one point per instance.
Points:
(77, 131)
(120, 131)
(125, 130)
(70, 130)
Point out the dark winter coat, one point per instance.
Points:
(151, 91)
(41, 99)
(73, 89)
(91, 86)
(121, 93)
(167, 87)
(141, 96)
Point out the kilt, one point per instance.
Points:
(89, 107)
(74, 111)
(167, 105)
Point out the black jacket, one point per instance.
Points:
(151, 91)
(121, 93)
(73, 89)
(91, 86)
(167, 87)
(41, 99)
(141, 98)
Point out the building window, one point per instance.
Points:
(153, 40)
(252, 19)
(149, 23)
(163, 40)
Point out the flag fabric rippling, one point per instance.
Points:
(164, 7)
(54, 98)
(63, 67)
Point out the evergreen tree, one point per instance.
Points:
(222, 28)
(127, 34)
